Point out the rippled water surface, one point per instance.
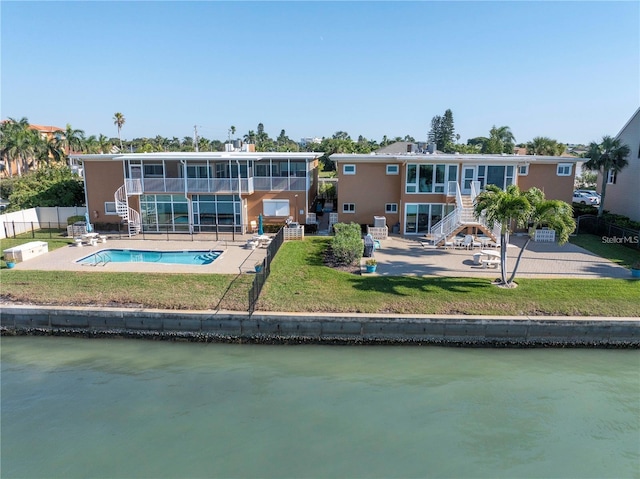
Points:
(79, 408)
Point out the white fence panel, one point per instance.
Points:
(57, 215)
(19, 222)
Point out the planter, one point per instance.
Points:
(371, 269)
(258, 268)
(635, 273)
(10, 264)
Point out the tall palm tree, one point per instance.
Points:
(513, 207)
(608, 156)
(119, 120)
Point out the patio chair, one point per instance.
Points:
(469, 242)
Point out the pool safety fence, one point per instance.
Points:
(263, 270)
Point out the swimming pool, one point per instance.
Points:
(191, 257)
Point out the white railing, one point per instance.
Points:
(277, 183)
(133, 187)
(198, 185)
(131, 216)
(475, 189)
(452, 187)
(447, 225)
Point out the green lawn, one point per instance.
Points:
(619, 254)
(55, 240)
(300, 282)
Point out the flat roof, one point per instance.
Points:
(451, 158)
(208, 155)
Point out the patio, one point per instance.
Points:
(408, 256)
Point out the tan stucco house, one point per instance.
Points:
(622, 189)
(432, 193)
(198, 192)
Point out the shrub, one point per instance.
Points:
(347, 243)
(75, 219)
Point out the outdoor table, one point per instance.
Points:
(490, 254)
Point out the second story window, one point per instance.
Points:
(153, 171)
(348, 169)
(393, 169)
(564, 169)
(523, 170)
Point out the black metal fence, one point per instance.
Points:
(262, 273)
(610, 233)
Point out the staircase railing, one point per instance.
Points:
(131, 216)
(443, 228)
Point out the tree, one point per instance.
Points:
(608, 157)
(73, 139)
(232, 131)
(542, 145)
(442, 132)
(18, 144)
(511, 207)
(51, 186)
(119, 120)
(500, 140)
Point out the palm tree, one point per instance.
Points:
(103, 143)
(73, 139)
(119, 120)
(610, 156)
(500, 140)
(529, 208)
(17, 144)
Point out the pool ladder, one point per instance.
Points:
(101, 259)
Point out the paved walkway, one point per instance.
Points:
(406, 256)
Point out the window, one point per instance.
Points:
(429, 178)
(564, 169)
(523, 170)
(153, 171)
(348, 169)
(110, 208)
(611, 177)
(275, 207)
(348, 207)
(391, 208)
(393, 169)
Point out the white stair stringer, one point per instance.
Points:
(128, 214)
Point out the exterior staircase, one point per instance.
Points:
(128, 214)
(460, 218)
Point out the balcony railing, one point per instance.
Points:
(198, 185)
(279, 183)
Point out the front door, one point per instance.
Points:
(468, 174)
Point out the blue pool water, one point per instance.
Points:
(193, 257)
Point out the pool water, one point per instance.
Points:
(192, 257)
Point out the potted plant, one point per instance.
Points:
(635, 269)
(10, 264)
(371, 265)
(258, 267)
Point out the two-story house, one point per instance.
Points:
(433, 193)
(198, 192)
(622, 189)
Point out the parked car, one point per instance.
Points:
(589, 192)
(585, 199)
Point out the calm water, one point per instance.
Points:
(126, 408)
(194, 257)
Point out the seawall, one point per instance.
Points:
(336, 328)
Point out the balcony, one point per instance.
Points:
(198, 185)
(280, 183)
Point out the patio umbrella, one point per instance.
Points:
(260, 228)
(89, 227)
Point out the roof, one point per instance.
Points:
(451, 158)
(628, 122)
(208, 155)
(45, 128)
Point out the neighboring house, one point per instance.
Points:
(46, 132)
(198, 192)
(433, 193)
(622, 189)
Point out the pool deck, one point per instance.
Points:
(235, 258)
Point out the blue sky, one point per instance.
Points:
(567, 70)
